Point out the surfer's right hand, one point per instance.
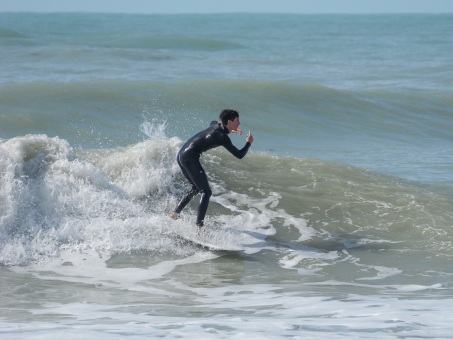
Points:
(249, 137)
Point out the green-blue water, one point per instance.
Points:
(343, 206)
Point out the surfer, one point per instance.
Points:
(189, 159)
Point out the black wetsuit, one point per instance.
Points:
(189, 161)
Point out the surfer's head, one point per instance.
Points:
(227, 115)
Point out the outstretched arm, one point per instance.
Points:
(235, 151)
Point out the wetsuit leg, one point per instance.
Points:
(195, 174)
(189, 194)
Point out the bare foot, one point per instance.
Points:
(173, 215)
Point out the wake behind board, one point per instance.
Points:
(208, 244)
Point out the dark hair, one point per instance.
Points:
(227, 115)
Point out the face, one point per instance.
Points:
(234, 124)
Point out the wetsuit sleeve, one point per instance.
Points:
(234, 150)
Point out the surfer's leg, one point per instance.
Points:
(198, 178)
(186, 199)
(189, 194)
(202, 183)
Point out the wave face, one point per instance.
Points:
(117, 199)
(400, 133)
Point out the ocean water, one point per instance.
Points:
(343, 206)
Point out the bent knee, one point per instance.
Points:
(207, 192)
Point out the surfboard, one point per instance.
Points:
(206, 243)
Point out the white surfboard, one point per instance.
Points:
(205, 242)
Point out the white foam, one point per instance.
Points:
(89, 266)
(259, 212)
(254, 311)
(55, 198)
(307, 261)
